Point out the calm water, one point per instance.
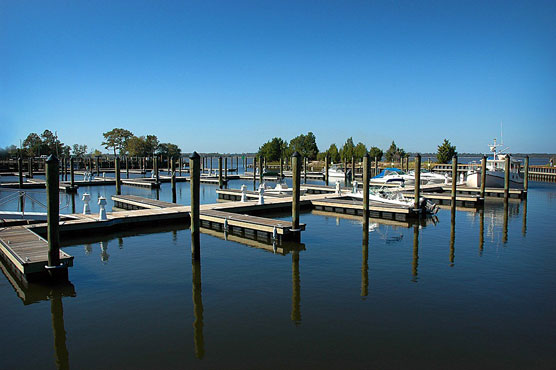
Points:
(431, 297)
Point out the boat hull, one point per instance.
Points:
(493, 180)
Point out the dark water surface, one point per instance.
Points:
(480, 294)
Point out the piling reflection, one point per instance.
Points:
(524, 221)
(365, 260)
(198, 338)
(505, 225)
(59, 332)
(72, 203)
(481, 231)
(415, 264)
(452, 236)
(104, 256)
(88, 249)
(296, 290)
(157, 193)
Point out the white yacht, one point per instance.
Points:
(336, 172)
(495, 171)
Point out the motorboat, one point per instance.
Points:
(388, 197)
(281, 188)
(495, 171)
(391, 175)
(428, 177)
(337, 172)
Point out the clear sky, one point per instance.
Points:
(229, 75)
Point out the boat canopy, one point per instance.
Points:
(388, 171)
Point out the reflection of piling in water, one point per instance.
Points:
(481, 231)
(296, 289)
(104, 256)
(483, 176)
(524, 222)
(415, 264)
(365, 260)
(505, 226)
(72, 202)
(452, 234)
(59, 332)
(198, 338)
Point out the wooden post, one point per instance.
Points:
(210, 159)
(417, 180)
(173, 171)
(261, 161)
(30, 167)
(90, 165)
(326, 170)
(65, 169)
(98, 165)
(352, 169)
(72, 174)
(345, 171)
(526, 175)
(254, 173)
(305, 160)
(366, 181)
(483, 176)
(296, 188)
(454, 178)
(20, 170)
(507, 176)
(155, 170)
(127, 167)
(194, 168)
(220, 181)
(117, 170)
(281, 168)
(53, 211)
(180, 163)
(376, 166)
(226, 169)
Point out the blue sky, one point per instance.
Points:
(227, 76)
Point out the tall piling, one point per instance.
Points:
(98, 165)
(53, 212)
(127, 167)
(417, 189)
(72, 174)
(281, 167)
(454, 179)
(261, 161)
(376, 166)
(30, 167)
(155, 170)
(226, 169)
(173, 171)
(326, 170)
(220, 180)
(305, 160)
(117, 171)
(507, 176)
(483, 176)
(526, 175)
(366, 182)
(20, 169)
(296, 189)
(195, 178)
(352, 177)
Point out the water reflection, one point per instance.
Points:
(452, 236)
(365, 260)
(296, 290)
(505, 225)
(524, 221)
(481, 231)
(415, 263)
(104, 251)
(198, 338)
(59, 331)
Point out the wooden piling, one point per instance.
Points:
(20, 170)
(526, 175)
(226, 168)
(254, 173)
(281, 168)
(117, 171)
(417, 179)
(220, 180)
(30, 167)
(326, 170)
(366, 181)
(173, 179)
(195, 179)
(454, 178)
(155, 170)
(305, 170)
(483, 176)
(352, 177)
(376, 166)
(507, 176)
(261, 161)
(127, 167)
(53, 211)
(72, 174)
(296, 189)
(98, 166)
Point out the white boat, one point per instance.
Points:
(495, 173)
(336, 172)
(391, 175)
(280, 188)
(428, 177)
(395, 198)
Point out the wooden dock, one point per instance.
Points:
(27, 251)
(355, 207)
(470, 201)
(489, 192)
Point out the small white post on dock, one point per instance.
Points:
(102, 210)
(243, 193)
(261, 194)
(86, 198)
(354, 187)
(338, 188)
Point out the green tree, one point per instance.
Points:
(169, 149)
(79, 150)
(347, 151)
(306, 145)
(32, 145)
(359, 150)
(376, 152)
(445, 152)
(394, 154)
(50, 143)
(116, 139)
(272, 149)
(151, 144)
(333, 153)
(96, 153)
